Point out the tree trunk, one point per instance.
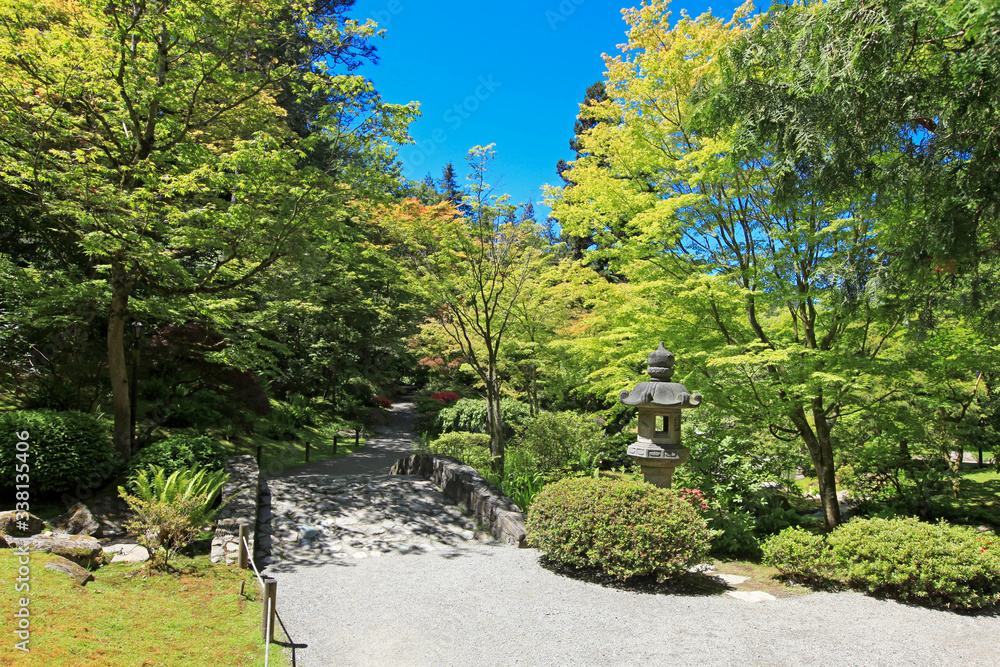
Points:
(827, 474)
(820, 448)
(494, 421)
(121, 288)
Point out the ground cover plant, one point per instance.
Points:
(128, 616)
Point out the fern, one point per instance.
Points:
(170, 510)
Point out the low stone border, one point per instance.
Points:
(469, 490)
(244, 476)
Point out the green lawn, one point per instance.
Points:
(126, 617)
(978, 499)
(279, 454)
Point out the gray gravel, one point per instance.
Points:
(495, 605)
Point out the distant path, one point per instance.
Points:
(390, 443)
(385, 572)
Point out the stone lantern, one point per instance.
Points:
(659, 402)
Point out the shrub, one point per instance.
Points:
(381, 402)
(194, 411)
(623, 527)
(170, 511)
(299, 411)
(695, 497)
(469, 414)
(472, 449)
(559, 440)
(799, 555)
(520, 480)
(445, 396)
(63, 447)
(177, 452)
(733, 534)
(284, 418)
(935, 564)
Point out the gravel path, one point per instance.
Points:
(474, 604)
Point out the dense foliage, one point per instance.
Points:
(802, 204)
(65, 449)
(177, 453)
(800, 555)
(623, 528)
(472, 415)
(555, 440)
(935, 564)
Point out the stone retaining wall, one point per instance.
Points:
(469, 490)
(244, 476)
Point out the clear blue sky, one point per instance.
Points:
(511, 73)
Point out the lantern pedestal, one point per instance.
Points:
(658, 463)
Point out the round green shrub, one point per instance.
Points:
(936, 564)
(799, 555)
(176, 452)
(63, 448)
(625, 528)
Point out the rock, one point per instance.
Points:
(753, 596)
(703, 567)
(9, 521)
(78, 521)
(110, 527)
(731, 579)
(81, 549)
(127, 553)
(308, 532)
(80, 575)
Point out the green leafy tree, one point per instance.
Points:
(895, 101)
(151, 138)
(472, 270)
(776, 306)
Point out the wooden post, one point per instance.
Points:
(260, 454)
(334, 444)
(357, 437)
(244, 539)
(307, 451)
(267, 614)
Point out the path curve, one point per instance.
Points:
(469, 603)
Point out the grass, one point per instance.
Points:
(279, 454)
(129, 617)
(978, 499)
(761, 578)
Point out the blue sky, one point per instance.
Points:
(511, 73)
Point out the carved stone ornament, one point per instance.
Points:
(659, 403)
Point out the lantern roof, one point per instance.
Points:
(659, 391)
